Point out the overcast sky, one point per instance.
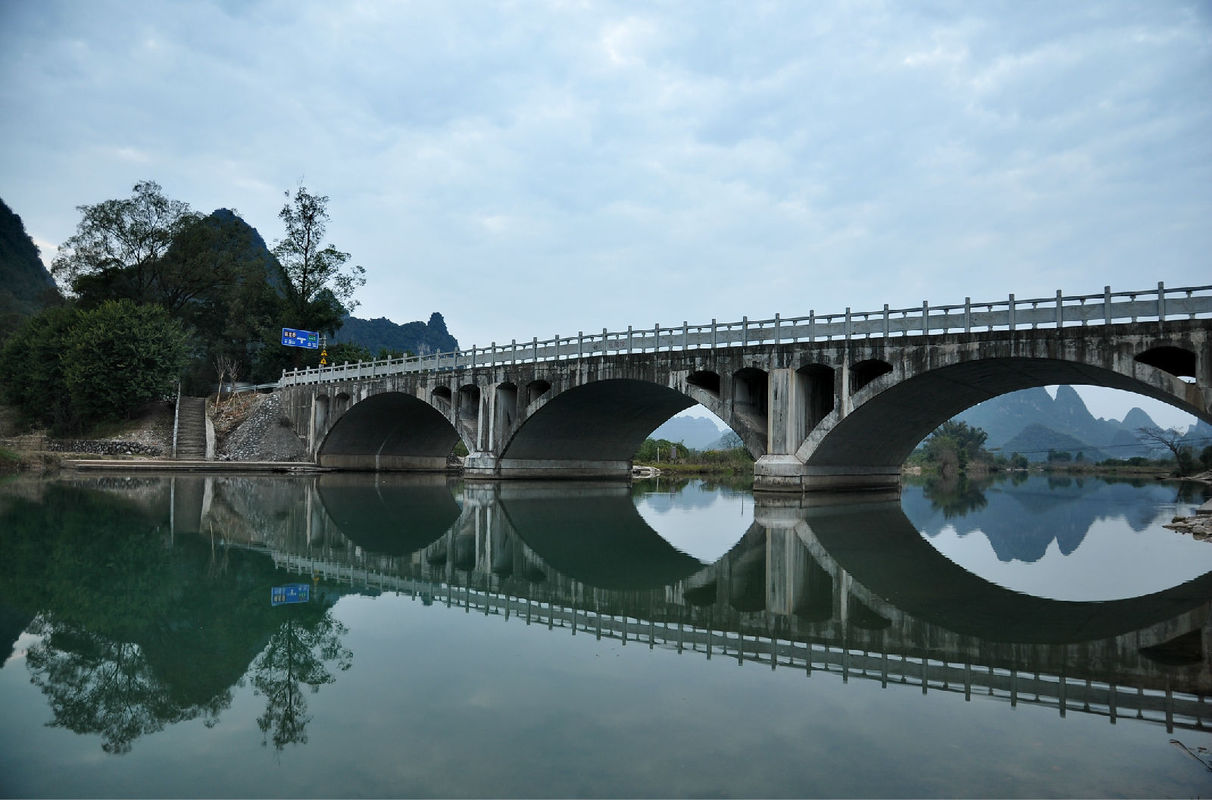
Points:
(540, 168)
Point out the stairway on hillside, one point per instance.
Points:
(191, 429)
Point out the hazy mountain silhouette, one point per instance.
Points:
(1032, 422)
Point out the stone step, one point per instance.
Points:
(191, 428)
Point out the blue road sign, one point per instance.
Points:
(297, 338)
(290, 593)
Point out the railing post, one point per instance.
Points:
(713, 333)
(811, 325)
(1060, 309)
(776, 328)
(492, 359)
(656, 338)
(745, 331)
(886, 329)
(1161, 304)
(1010, 311)
(513, 355)
(628, 340)
(534, 348)
(473, 357)
(1106, 305)
(967, 315)
(846, 329)
(685, 335)
(605, 347)
(925, 318)
(580, 345)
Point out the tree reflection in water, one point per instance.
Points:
(99, 685)
(137, 629)
(297, 655)
(956, 495)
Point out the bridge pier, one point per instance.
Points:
(487, 466)
(784, 473)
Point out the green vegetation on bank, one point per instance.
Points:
(675, 457)
(158, 294)
(958, 448)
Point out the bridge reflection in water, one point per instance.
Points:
(842, 588)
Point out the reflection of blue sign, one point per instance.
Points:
(297, 338)
(290, 593)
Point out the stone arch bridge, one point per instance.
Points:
(831, 402)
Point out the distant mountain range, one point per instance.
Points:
(1033, 423)
(1030, 422)
(418, 338)
(697, 433)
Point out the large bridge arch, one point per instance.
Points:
(592, 428)
(389, 431)
(889, 418)
(879, 419)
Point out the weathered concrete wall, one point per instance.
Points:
(820, 415)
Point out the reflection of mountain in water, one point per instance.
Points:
(1022, 523)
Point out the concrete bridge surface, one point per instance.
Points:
(822, 403)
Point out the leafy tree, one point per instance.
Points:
(32, 356)
(119, 247)
(657, 450)
(119, 356)
(954, 444)
(319, 280)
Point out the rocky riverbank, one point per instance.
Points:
(252, 427)
(1199, 524)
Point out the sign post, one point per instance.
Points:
(289, 594)
(292, 337)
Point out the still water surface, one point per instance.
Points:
(1007, 639)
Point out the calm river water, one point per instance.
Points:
(1019, 638)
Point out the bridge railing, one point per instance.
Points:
(1174, 709)
(1105, 308)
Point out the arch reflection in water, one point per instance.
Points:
(1064, 537)
(847, 586)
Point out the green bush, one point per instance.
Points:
(119, 356)
(33, 375)
(69, 369)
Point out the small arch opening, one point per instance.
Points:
(442, 398)
(706, 380)
(750, 387)
(864, 372)
(1178, 362)
(818, 385)
(469, 402)
(321, 411)
(536, 389)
